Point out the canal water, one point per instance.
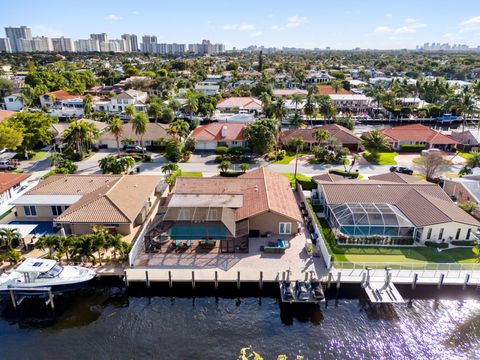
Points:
(106, 322)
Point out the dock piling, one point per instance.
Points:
(440, 280)
(283, 275)
(260, 284)
(329, 280)
(465, 282)
(193, 279)
(414, 281)
(125, 278)
(238, 279)
(306, 276)
(216, 280)
(170, 283)
(339, 277)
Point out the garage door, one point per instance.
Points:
(205, 145)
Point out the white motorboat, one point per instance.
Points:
(36, 274)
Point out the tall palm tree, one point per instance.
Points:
(8, 237)
(321, 135)
(310, 108)
(116, 128)
(336, 86)
(279, 109)
(155, 110)
(169, 168)
(130, 112)
(87, 105)
(191, 105)
(297, 100)
(179, 129)
(139, 127)
(80, 135)
(375, 142)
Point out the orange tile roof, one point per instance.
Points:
(339, 132)
(328, 90)
(9, 180)
(263, 191)
(63, 95)
(213, 132)
(4, 114)
(417, 132)
(240, 102)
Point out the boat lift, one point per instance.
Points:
(381, 292)
(25, 292)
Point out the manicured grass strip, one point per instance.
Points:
(287, 159)
(192, 173)
(305, 181)
(38, 156)
(381, 158)
(463, 154)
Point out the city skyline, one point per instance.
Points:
(309, 25)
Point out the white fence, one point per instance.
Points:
(137, 245)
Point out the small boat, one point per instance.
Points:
(36, 275)
(447, 118)
(302, 292)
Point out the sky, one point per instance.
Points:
(346, 24)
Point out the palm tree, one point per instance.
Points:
(179, 129)
(9, 237)
(83, 247)
(472, 162)
(80, 135)
(310, 108)
(326, 107)
(279, 109)
(114, 241)
(155, 110)
(87, 105)
(375, 142)
(244, 167)
(116, 128)
(297, 100)
(130, 112)
(298, 144)
(336, 86)
(321, 135)
(126, 163)
(169, 168)
(99, 240)
(139, 127)
(191, 105)
(49, 242)
(225, 165)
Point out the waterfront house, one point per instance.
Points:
(328, 90)
(58, 129)
(346, 137)
(317, 77)
(393, 205)
(240, 104)
(13, 103)
(61, 103)
(467, 140)
(207, 89)
(464, 189)
(418, 134)
(155, 134)
(351, 103)
(118, 103)
(256, 204)
(209, 136)
(77, 203)
(288, 93)
(11, 184)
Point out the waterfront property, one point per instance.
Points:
(240, 104)
(393, 206)
(11, 184)
(351, 103)
(118, 103)
(155, 133)
(209, 136)
(464, 189)
(77, 203)
(63, 104)
(58, 129)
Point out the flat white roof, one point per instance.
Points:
(47, 200)
(192, 200)
(348, 97)
(23, 229)
(36, 265)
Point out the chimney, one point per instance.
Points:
(224, 131)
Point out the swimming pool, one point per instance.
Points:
(43, 227)
(197, 232)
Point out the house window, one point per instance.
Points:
(468, 234)
(30, 210)
(285, 228)
(429, 234)
(440, 234)
(457, 236)
(56, 210)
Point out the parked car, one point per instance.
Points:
(8, 165)
(431, 151)
(401, 169)
(134, 149)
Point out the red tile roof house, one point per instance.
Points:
(63, 104)
(417, 134)
(342, 134)
(257, 203)
(209, 136)
(10, 184)
(237, 104)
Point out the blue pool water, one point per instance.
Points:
(195, 232)
(43, 227)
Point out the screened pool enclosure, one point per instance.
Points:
(369, 220)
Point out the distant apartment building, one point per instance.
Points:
(119, 45)
(5, 45)
(100, 37)
(63, 44)
(87, 45)
(42, 44)
(14, 34)
(132, 40)
(148, 42)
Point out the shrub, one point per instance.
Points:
(230, 173)
(464, 242)
(436, 245)
(411, 148)
(173, 151)
(221, 150)
(353, 175)
(147, 158)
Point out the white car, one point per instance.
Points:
(431, 151)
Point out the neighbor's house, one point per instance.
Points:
(79, 202)
(417, 134)
(393, 205)
(351, 103)
(13, 102)
(63, 104)
(464, 189)
(288, 93)
(118, 103)
(5, 114)
(467, 139)
(207, 89)
(318, 77)
(411, 102)
(328, 90)
(11, 184)
(155, 133)
(346, 137)
(258, 203)
(209, 136)
(58, 129)
(240, 104)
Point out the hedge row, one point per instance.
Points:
(353, 175)
(436, 245)
(464, 242)
(411, 148)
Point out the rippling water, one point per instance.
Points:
(105, 323)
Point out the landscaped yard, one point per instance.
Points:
(38, 156)
(381, 158)
(305, 181)
(463, 154)
(287, 159)
(192, 173)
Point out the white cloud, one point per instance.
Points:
(470, 24)
(47, 31)
(383, 29)
(113, 17)
(388, 15)
(410, 21)
(278, 28)
(256, 34)
(240, 27)
(411, 26)
(296, 21)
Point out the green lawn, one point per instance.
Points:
(38, 156)
(287, 159)
(381, 158)
(463, 154)
(192, 173)
(305, 181)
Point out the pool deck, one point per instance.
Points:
(294, 264)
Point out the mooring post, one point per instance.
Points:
(465, 282)
(170, 283)
(339, 277)
(125, 277)
(440, 280)
(414, 281)
(50, 299)
(147, 280)
(14, 298)
(238, 279)
(283, 275)
(329, 280)
(193, 279)
(260, 284)
(216, 280)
